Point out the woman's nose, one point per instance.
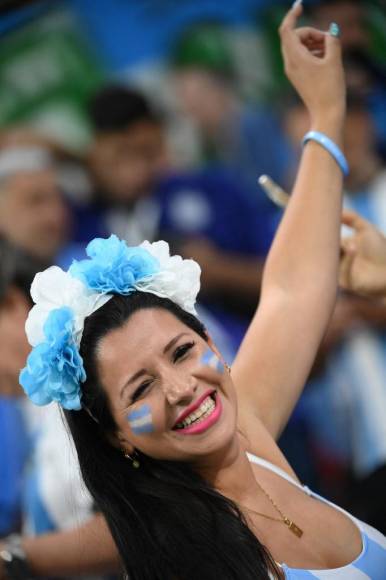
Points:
(179, 389)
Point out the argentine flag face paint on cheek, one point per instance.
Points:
(140, 420)
(210, 359)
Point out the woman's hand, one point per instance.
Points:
(313, 64)
(363, 261)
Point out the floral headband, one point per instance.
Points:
(63, 300)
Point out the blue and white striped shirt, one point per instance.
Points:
(369, 565)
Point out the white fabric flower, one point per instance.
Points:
(177, 279)
(54, 289)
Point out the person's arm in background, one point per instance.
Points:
(232, 255)
(228, 272)
(87, 549)
(251, 225)
(363, 261)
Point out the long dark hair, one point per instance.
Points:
(167, 522)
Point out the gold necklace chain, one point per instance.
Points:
(283, 518)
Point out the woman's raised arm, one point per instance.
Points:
(300, 278)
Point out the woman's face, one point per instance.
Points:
(170, 394)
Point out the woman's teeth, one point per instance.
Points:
(203, 411)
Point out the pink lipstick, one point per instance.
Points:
(200, 416)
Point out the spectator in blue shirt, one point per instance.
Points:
(246, 137)
(207, 214)
(16, 273)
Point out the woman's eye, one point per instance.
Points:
(182, 350)
(140, 390)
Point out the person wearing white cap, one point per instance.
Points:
(33, 214)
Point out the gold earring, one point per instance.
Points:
(133, 458)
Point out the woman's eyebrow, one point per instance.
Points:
(173, 341)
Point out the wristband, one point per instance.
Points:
(330, 146)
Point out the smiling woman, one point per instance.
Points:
(178, 452)
(173, 408)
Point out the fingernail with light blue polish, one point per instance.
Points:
(296, 3)
(334, 29)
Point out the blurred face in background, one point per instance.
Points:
(360, 149)
(127, 164)
(203, 97)
(359, 143)
(14, 347)
(33, 214)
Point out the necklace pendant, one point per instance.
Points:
(293, 528)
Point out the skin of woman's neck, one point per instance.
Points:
(229, 471)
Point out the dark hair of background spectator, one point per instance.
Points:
(116, 108)
(17, 268)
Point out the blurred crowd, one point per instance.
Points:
(184, 169)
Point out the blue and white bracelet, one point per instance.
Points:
(330, 146)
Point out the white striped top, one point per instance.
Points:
(369, 565)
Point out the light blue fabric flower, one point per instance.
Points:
(113, 266)
(54, 368)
